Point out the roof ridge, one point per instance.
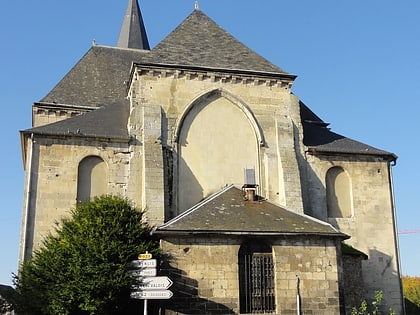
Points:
(196, 206)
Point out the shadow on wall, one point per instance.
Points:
(178, 197)
(190, 194)
(186, 299)
(381, 266)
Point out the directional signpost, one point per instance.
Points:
(150, 287)
(155, 283)
(152, 295)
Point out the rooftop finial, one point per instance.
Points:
(196, 6)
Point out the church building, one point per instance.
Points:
(259, 205)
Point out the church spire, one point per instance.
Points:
(133, 33)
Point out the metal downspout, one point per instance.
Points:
(394, 216)
(23, 250)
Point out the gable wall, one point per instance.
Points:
(270, 107)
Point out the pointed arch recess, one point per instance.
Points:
(207, 158)
(232, 98)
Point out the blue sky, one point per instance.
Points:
(357, 63)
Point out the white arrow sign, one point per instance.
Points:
(151, 295)
(143, 263)
(155, 283)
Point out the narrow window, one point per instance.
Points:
(256, 278)
(338, 193)
(92, 178)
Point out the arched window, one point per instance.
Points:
(339, 203)
(92, 178)
(256, 278)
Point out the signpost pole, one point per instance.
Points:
(145, 307)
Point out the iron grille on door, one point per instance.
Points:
(257, 287)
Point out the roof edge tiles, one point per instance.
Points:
(238, 233)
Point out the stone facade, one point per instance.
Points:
(258, 118)
(52, 166)
(191, 129)
(371, 223)
(205, 272)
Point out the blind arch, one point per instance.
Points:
(338, 187)
(92, 178)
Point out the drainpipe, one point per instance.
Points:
(394, 216)
(297, 295)
(23, 251)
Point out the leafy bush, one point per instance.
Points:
(373, 309)
(81, 269)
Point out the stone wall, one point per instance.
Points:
(205, 274)
(51, 188)
(371, 224)
(354, 291)
(266, 105)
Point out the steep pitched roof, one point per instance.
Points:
(320, 139)
(226, 212)
(108, 122)
(199, 42)
(99, 78)
(133, 33)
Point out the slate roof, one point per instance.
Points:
(226, 212)
(320, 139)
(199, 42)
(109, 121)
(99, 78)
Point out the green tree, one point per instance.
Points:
(411, 288)
(81, 269)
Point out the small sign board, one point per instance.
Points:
(151, 295)
(143, 272)
(145, 256)
(143, 263)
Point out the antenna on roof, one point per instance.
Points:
(196, 6)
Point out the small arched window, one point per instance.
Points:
(256, 278)
(92, 178)
(338, 188)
